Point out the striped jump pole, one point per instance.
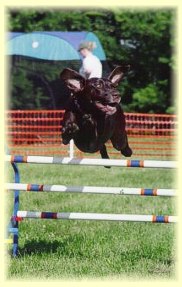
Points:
(90, 189)
(96, 216)
(90, 162)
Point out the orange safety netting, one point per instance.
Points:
(39, 132)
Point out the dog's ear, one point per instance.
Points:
(74, 81)
(117, 74)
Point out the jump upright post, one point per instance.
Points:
(19, 215)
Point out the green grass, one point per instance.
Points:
(57, 249)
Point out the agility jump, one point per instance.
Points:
(19, 215)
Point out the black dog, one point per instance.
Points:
(94, 114)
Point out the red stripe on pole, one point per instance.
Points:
(154, 218)
(155, 192)
(41, 187)
(166, 219)
(141, 163)
(142, 191)
(28, 187)
(128, 163)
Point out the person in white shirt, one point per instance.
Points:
(91, 65)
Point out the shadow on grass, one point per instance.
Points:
(38, 247)
(71, 246)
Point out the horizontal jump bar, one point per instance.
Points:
(96, 216)
(88, 161)
(90, 189)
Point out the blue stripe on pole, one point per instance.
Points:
(148, 191)
(18, 158)
(34, 187)
(160, 218)
(135, 163)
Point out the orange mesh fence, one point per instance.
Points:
(39, 132)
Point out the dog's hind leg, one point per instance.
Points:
(120, 143)
(104, 154)
(126, 150)
(119, 138)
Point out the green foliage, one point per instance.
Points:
(147, 45)
(145, 99)
(28, 89)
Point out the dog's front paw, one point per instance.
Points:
(72, 128)
(87, 120)
(68, 132)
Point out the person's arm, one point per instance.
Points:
(87, 67)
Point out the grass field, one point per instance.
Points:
(56, 249)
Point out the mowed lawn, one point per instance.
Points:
(70, 249)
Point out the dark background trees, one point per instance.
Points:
(142, 38)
